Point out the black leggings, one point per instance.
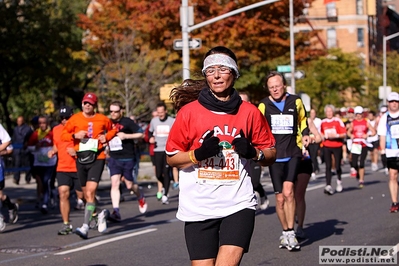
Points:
(337, 153)
(313, 152)
(162, 170)
(355, 159)
(256, 171)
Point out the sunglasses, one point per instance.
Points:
(114, 111)
(84, 103)
(64, 117)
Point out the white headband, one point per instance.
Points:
(220, 59)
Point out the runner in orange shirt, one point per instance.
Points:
(90, 132)
(67, 177)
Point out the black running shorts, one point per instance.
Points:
(90, 172)
(393, 163)
(204, 238)
(69, 179)
(305, 167)
(284, 171)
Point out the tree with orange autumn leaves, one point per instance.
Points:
(134, 41)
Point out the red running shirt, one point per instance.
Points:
(333, 125)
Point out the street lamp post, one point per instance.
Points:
(186, 28)
(292, 46)
(384, 50)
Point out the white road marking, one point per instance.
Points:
(106, 241)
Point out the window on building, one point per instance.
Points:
(359, 7)
(331, 38)
(332, 15)
(360, 37)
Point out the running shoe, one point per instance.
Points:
(292, 241)
(361, 185)
(175, 185)
(66, 229)
(283, 240)
(300, 233)
(159, 195)
(13, 214)
(328, 190)
(313, 176)
(257, 196)
(394, 207)
(102, 221)
(115, 216)
(353, 173)
(2, 224)
(339, 186)
(374, 167)
(80, 205)
(142, 205)
(264, 203)
(83, 231)
(165, 200)
(44, 209)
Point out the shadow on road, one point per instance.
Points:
(352, 188)
(321, 230)
(270, 210)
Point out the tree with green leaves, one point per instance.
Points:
(39, 56)
(132, 41)
(332, 78)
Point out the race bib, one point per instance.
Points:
(329, 132)
(349, 144)
(395, 131)
(356, 148)
(222, 169)
(282, 124)
(42, 158)
(88, 145)
(115, 144)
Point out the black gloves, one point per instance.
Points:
(243, 147)
(210, 147)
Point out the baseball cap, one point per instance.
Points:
(35, 120)
(358, 110)
(66, 111)
(90, 98)
(350, 110)
(393, 96)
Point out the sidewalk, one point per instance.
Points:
(24, 193)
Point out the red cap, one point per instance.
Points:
(351, 110)
(90, 98)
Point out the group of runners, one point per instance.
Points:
(217, 142)
(215, 152)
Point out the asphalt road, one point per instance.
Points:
(355, 217)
